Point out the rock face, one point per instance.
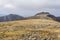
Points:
(43, 15)
(11, 17)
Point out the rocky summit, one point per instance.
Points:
(43, 15)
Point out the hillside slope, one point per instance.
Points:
(31, 29)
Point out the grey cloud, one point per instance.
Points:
(32, 4)
(29, 7)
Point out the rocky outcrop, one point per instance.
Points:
(39, 35)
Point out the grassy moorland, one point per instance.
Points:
(31, 29)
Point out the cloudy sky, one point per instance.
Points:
(29, 7)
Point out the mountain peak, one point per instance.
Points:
(10, 17)
(43, 13)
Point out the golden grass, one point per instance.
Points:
(30, 22)
(47, 30)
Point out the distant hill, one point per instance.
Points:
(43, 15)
(58, 19)
(11, 17)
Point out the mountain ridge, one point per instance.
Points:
(41, 15)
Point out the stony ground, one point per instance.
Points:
(32, 29)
